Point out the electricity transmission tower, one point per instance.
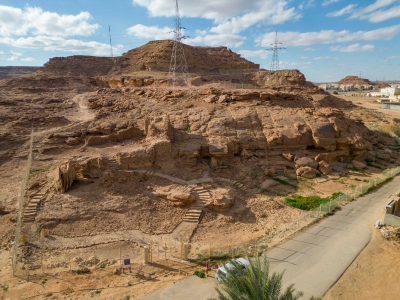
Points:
(275, 59)
(178, 60)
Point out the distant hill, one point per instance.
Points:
(10, 72)
(153, 56)
(355, 80)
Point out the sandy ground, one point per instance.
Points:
(99, 284)
(369, 103)
(373, 275)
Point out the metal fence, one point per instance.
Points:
(163, 258)
(320, 212)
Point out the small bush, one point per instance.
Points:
(102, 266)
(199, 274)
(83, 271)
(4, 287)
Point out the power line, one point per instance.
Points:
(275, 58)
(178, 59)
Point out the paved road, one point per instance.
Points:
(315, 258)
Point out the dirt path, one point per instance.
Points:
(83, 113)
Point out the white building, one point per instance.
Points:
(387, 92)
(392, 91)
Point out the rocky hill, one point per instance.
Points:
(355, 80)
(10, 72)
(116, 150)
(155, 56)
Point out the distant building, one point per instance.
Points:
(392, 91)
(386, 92)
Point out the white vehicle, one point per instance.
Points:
(222, 271)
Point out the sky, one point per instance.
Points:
(324, 39)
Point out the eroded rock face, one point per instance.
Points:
(359, 164)
(307, 172)
(306, 162)
(221, 199)
(282, 77)
(64, 176)
(325, 167)
(177, 195)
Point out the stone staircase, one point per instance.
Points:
(194, 213)
(237, 184)
(31, 209)
(113, 164)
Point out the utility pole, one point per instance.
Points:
(360, 76)
(275, 58)
(178, 60)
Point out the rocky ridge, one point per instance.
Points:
(131, 151)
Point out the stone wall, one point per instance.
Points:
(392, 220)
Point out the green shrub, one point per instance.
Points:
(83, 271)
(310, 202)
(199, 274)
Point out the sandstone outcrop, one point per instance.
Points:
(280, 78)
(359, 164)
(306, 162)
(325, 167)
(64, 177)
(122, 135)
(307, 172)
(221, 199)
(178, 195)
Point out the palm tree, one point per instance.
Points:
(254, 283)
